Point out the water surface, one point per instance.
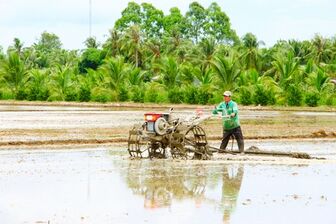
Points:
(102, 185)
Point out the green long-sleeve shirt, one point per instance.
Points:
(227, 109)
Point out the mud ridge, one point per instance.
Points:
(125, 139)
(63, 142)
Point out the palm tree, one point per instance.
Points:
(115, 72)
(63, 83)
(227, 71)
(38, 84)
(135, 77)
(319, 80)
(321, 49)
(285, 69)
(170, 72)
(114, 43)
(133, 40)
(250, 49)
(152, 52)
(91, 42)
(207, 50)
(13, 71)
(17, 46)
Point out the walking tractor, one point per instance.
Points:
(162, 135)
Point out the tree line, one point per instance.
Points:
(191, 58)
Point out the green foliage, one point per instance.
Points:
(260, 96)
(204, 95)
(227, 71)
(103, 95)
(21, 94)
(6, 94)
(174, 23)
(294, 95)
(131, 15)
(195, 20)
(13, 71)
(245, 96)
(312, 98)
(191, 95)
(91, 58)
(123, 93)
(190, 58)
(331, 100)
(218, 26)
(71, 95)
(114, 71)
(48, 42)
(176, 95)
(138, 94)
(84, 94)
(155, 93)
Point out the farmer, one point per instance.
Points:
(231, 126)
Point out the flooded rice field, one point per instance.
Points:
(102, 185)
(68, 164)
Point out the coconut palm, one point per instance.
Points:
(133, 40)
(115, 72)
(285, 69)
(114, 43)
(13, 71)
(319, 80)
(17, 46)
(170, 72)
(226, 71)
(63, 83)
(37, 84)
(206, 52)
(321, 49)
(250, 49)
(135, 77)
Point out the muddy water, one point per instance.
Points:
(101, 185)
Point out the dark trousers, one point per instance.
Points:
(237, 133)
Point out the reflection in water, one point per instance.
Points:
(163, 182)
(232, 179)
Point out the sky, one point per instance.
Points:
(269, 20)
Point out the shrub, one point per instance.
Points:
(294, 95)
(312, 98)
(260, 96)
(21, 94)
(138, 94)
(71, 95)
(123, 94)
(331, 100)
(245, 96)
(204, 96)
(84, 94)
(6, 94)
(175, 95)
(191, 95)
(103, 95)
(91, 58)
(38, 94)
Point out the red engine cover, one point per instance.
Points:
(152, 116)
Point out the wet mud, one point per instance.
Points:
(31, 124)
(102, 185)
(68, 163)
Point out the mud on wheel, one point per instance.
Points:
(196, 143)
(137, 146)
(177, 146)
(156, 150)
